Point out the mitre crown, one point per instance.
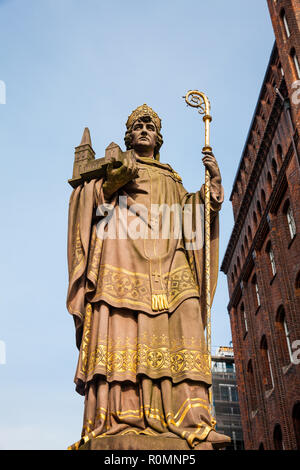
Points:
(144, 110)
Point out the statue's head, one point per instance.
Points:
(143, 130)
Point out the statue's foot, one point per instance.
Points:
(218, 440)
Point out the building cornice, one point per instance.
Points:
(273, 55)
(254, 176)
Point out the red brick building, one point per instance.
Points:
(262, 260)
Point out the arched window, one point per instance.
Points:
(243, 253)
(263, 198)
(277, 436)
(281, 69)
(279, 153)
(254, 282)
(290, 218)
(283, 335)
(261, 446)
(258, 208)
(246, 243)
(291, 222)
(270, 253)
(274, 166)
(296, 422)
(296, 63)
(244, 320)
(285, 23)
(267, 372)
(232, 278)
(235, 271)
(297, 283)
(252, 389)
(249, 233)
(239, 264)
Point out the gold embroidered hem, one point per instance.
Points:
(120, 344)
(120, 363)
(125, 289)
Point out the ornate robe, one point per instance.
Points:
(136, 295)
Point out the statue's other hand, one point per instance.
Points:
(119, 171)
(211, 164)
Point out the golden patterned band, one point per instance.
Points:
(126, 288)
(154, 356)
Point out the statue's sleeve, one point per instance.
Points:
(83, 249)
(194, 203)
(216, 197)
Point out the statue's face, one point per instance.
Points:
(143, 134)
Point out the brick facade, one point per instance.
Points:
(262, 260)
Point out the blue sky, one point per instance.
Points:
(68, 64)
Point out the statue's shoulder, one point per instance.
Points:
(163, 166)
(174, 173)
(176, 176)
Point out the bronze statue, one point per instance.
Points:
(136, 293)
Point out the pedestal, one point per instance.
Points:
(132, 442)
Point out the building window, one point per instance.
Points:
(251, 389)
(244, 320)
(249, 233)
(257, 294)
(287, 210)
(274, 166)
(263, 198)
(230, 368)
(224, 392)
(296, 422)
(284, 337)
(246, 243)
(234, 394)
(254, 282)
(228, 392)
(291, 221)
(258, 208)
(280, 69)
(285, 23)
(297, 284)
(287, 337)
(296, 62)
(279, 152)
(271, 257)
(268, 379)
(277, 436)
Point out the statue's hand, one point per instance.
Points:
(211, 164)
(120, 170)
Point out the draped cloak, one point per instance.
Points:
(136, 293)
